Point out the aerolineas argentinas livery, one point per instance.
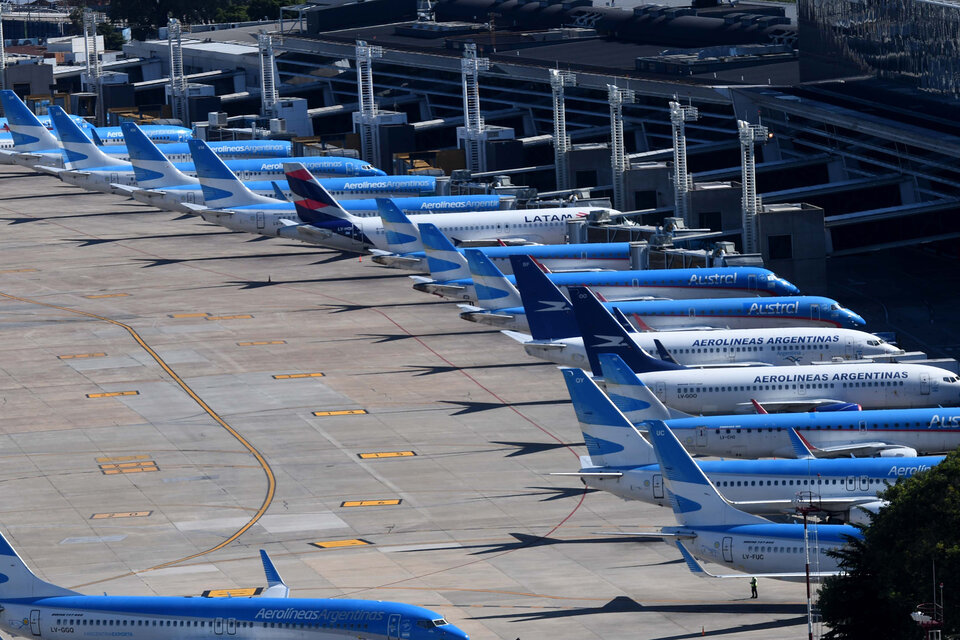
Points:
(33, 608)
(623, 463)
(713, 530)
(450, 277)
(550, 328)
(336, 228)
(871, 385)
(889, 433)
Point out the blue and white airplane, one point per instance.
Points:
(713, 530)
(555, 257)
(697, 348)
(623, 463)
(53, 156)
(337, 228)
(450, 277)
(499, 304)
(824, 387)
(33, 608)
(890, 433)
(95, 171)
(161, 184)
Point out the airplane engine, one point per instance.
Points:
(859, 514)
(899, 452)
(840, 406)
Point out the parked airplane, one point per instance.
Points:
(33, 608)
(872, 385)
(889, 433)
(697, 348)
(22, 119)
(713, 530)
(101, 173)
(500, 305)
(556, 257)
(623, 463)
(337, 228)
(451, 278)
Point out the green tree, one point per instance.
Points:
(259, 9)
(890, 571)
(112, 38)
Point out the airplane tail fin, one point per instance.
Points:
(628, 392)
(79, 152)
(151, 168)
(549, 314)
(25, 129)
(603, 334)
(221, 188)
(493, 289)
(611, 439)
(314, 204)
(19, 582)
(443, 259)
(402, 235)
(695, 501)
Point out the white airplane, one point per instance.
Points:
(713, 530)
(623, 463)
(337, 228)
(691, 391)
(887, 433)
(32, 608)
(694, 348)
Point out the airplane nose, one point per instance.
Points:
(856, 319)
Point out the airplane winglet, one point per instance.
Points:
(276, 588)
(759, 407)
(801, 447)
(692, 563)
(665, 355)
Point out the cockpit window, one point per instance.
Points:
(439, 622)
(430, 624)
(834, 307)
(951, 379)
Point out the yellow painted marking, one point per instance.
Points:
(260, 343)
(336, 544)
(189, 315)
(17, 270)
(82, 355)
(341, 412)
(271, 488)
(233, 593)
(107, 295)
(113, 394)
(121, 514)
(240, 317)
(370, 503)
(123, 458)
(290, 376)
(128, 467)
(386, 454)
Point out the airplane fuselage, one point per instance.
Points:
(871, 385)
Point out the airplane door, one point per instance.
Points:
(851, 483)
(260, 223)
(114, 178)
(661, 390)
(692, 312)
(393, 626)
(657, 486)
(752, 282)
(35, 622)
(701, 436)
(801, 389)
(925, 384)
(863, 426)
(727, 549)
(814, 311)
(848, 351)
(864, 483)
(218, 626)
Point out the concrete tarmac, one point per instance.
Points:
(163, 417)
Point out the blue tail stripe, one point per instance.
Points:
(591, 405)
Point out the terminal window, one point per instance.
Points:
(780, 247)
(586, 178)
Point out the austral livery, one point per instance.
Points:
(32, 608)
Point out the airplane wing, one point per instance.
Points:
(488, 242)
(797, 405)
(697, 569)
(469, 312)
(855, 449)
(54, 171)
(527, 340)
(588, 474)
(673, 535)
(125, 189)
(429, 285)
(197, 208)
(832, 505)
